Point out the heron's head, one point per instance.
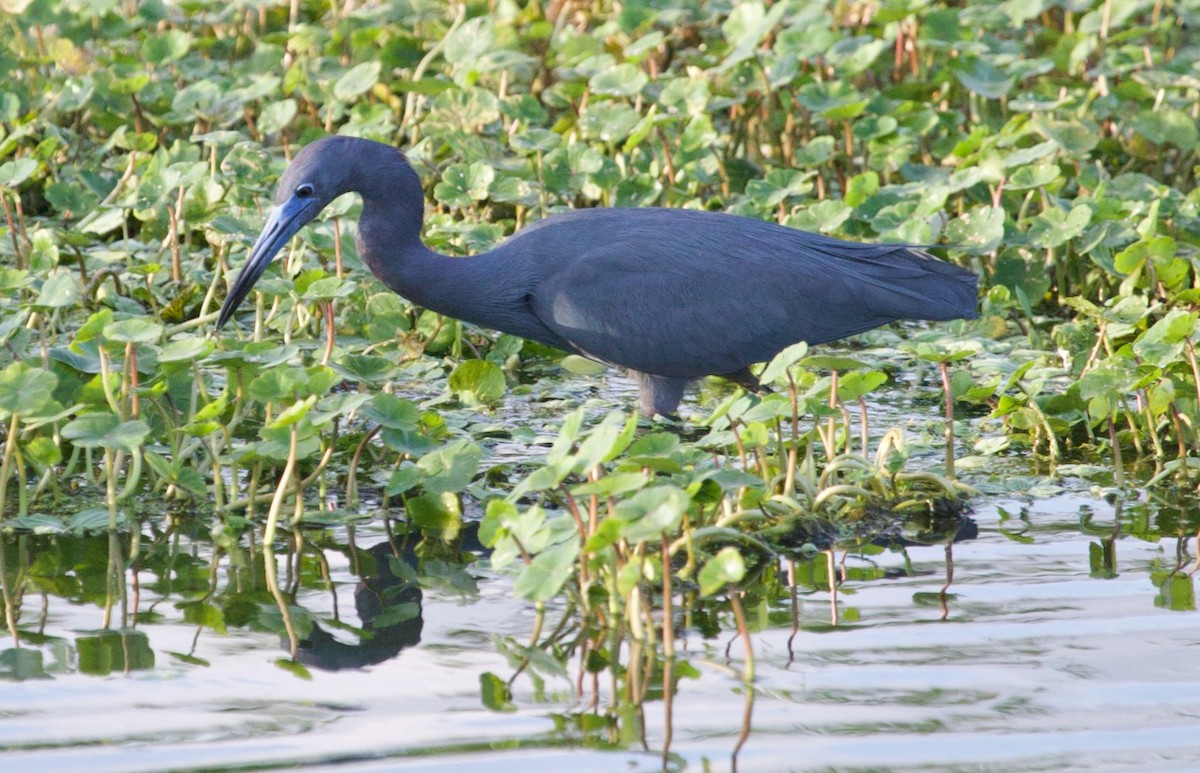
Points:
(320, 172)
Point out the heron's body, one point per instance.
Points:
(672, 295)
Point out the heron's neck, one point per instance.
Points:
(479, 289)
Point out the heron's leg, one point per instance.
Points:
(659, 394)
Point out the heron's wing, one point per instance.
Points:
(685, 294)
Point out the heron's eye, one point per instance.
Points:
(304, 191)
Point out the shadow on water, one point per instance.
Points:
(392, 628)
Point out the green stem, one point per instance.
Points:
(10, 445)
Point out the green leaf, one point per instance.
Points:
(106, 430)
(357, 80)
(780, 363)
(168, 46)
(36, 523)
(1054, 227)
(327, 288)
(745, 26)
(276, 116)
(58, 291)
(606, 441)
(1159, 249)
(608, 121)
(404, 478)
(1163, 343)
(25, 391)
(545, 576)
(365, 368)
(654, 445)
(612, 484)
(138, 331)
(477, 382)
(606, 534)
(450, 468)
(855, 54)
(103, 221)
(429, 512)
(854, 385)
(652, 511)
(43, 451)
(981, 77)
(293, 413)
(13, 173)
(1167, 126)
(94, 519)
(567, 435)
(391, 411)
(277, 384)
(191, 348)
(1032, 177)
(582, 366)
(622, 80)
(495, 694)
(976, 231)
(462, 184)
(725, 568)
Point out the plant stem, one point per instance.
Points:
(945, 368)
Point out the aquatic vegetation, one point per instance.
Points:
(1050, 149)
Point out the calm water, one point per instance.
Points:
(1066, 641)
(1041, 662)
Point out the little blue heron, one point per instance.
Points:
(672, 295)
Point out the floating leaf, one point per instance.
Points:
(450, 468)
(477, 382)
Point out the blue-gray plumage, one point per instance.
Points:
(670, 294)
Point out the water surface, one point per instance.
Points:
(1042, 658)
